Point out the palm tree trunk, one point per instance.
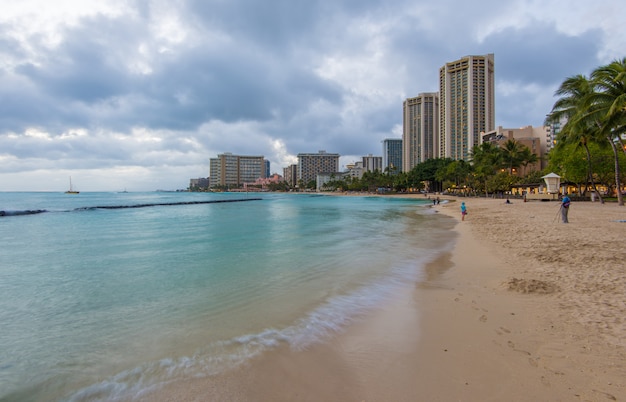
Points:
(622, 143)
(590, 173)
(620, 197)
(486, 190)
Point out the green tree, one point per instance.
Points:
(604, 169)
(528, 158)
(580, 129)
(570, 161)
(501, 182)
(486, 158)
(608, 108)
(533, 177)
(512, 154)
(427, 172)
(456, 173)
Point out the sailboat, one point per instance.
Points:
(71, 191)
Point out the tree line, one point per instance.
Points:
(492, 169)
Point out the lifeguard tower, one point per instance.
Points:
(553, 184)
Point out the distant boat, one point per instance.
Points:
(71, 190)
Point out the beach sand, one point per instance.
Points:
(534, 309)
(524, 308)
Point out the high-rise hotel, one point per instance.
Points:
(466, 104)
(234, 170)
(420, 129)
(392, 155)
(310, 165)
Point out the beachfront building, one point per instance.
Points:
(200, 184)
(420, 128)
(267, 169)
(323, 178)
(466, 104)
(372, 163)
(354, 170)
(290, 173)
(228, 170)
(310, 165)
(534, 138)
(262, 183)
(553, 128)
(392, 155)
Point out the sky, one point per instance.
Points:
(140, 94)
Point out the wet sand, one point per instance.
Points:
(524, 308)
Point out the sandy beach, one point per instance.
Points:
(524, 308)
(533, 309)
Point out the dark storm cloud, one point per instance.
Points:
(230, 86)
(59, 86)
(539, 53)
(531, 62)
(82, 75)
(280, 24)
(245, 81)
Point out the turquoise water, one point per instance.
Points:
(106, 304)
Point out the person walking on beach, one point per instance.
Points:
(463, 211)
(565, 202)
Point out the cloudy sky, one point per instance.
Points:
(139, 94)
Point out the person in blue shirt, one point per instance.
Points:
(463, 211)
(565, 203)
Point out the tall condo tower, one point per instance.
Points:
(392, 155)
(467, 104)
(420, 129)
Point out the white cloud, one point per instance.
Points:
(281, 155)
(28, 18)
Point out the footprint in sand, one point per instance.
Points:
(512, 346)
(483, 318)
(502, 331)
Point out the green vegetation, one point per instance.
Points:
(595, 109)
(486, 174)
(492, 169)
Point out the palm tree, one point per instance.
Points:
(455, 172)
(486, 158)
(528, 158)
(608, 107)
(574, 93)
(512, 154)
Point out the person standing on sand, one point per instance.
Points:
(463, 211)
(565, 202)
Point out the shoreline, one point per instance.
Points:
(522, 308)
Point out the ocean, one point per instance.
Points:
(108, 296)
